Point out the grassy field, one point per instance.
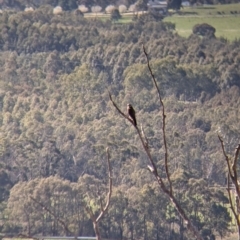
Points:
(227, 27)
(225, 18)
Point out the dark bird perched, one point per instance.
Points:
(131, 114)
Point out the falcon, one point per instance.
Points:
(131, 114)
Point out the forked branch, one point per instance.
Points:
(231, 201)
(163, 120)
(232, 165)
(142, 137)
(103, 209)
(152, 167)
(232, 173)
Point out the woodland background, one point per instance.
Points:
(56, 121)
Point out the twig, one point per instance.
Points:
(153, 169)
(118, 109)
(145, 146)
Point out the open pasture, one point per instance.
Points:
(224, 18)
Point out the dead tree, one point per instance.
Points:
(232, 177)
(95, 219)
(166, 188)
(103, 209)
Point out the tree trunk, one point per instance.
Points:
(96, 229)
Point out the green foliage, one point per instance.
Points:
(115, 15)
(56, 120)
(204, 29)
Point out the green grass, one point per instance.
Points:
(126, 19)
(221, 17)
(227, 27)
(213, 9)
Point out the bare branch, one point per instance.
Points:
(104, 210)
(232, 173)
(139, 134)
(153, 169)
(234, 166)
(230, 198)
(236, 154)
(145, 138)
(163, 120)
(118, 109)
(232, 170)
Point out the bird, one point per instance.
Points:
(131, 113)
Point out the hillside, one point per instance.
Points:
(57, 120)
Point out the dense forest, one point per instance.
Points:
(56, 121)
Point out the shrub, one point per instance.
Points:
(204, 29)
(115, 15)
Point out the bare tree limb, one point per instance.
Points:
(163, 120)
(230, 198)
(118, 109)
(103, 209)
(234, 167)
(152, 167)
(232, 173)
(145, 138)
(145, 146)
(232, 170)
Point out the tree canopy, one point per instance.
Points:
(56, 121)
